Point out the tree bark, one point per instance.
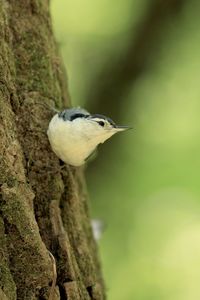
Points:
(42, 207)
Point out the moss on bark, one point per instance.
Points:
(41, 208)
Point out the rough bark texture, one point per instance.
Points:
(41, 206)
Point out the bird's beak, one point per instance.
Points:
(122, 128)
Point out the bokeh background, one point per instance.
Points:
(138, 61)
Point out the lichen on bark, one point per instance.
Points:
(42, 208)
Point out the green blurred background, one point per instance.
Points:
(138, 62)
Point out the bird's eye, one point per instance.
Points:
(101, 123)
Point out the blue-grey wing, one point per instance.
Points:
(70, 114)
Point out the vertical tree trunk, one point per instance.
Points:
(41, 207)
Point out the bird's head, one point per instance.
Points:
(94, 127)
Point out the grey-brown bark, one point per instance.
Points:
(41, 206)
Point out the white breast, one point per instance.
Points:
(71, 143)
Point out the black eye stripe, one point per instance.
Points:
(103, 117)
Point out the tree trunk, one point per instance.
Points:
(42, 207)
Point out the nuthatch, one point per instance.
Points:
(75, 133)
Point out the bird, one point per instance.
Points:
(74, 134)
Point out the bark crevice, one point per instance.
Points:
(41, 209)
